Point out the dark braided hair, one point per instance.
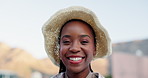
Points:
(62, 67)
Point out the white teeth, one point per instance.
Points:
(76, 59)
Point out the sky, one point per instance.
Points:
(21, 20)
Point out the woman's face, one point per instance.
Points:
(77, 46)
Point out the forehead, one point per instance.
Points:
(77, 27)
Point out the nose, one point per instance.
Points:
(75, 47)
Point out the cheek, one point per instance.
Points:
(63, 51)
(93, 48)
(94, 51)
(90, 52)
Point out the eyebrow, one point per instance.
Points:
(67, 36)
(85, 36)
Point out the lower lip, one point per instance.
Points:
(75, 62)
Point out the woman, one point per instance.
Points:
(73, 38)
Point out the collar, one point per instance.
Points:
(90, 75)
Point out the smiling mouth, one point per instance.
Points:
(75, 58)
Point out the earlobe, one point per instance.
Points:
(94, 53)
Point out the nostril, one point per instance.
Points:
(74, 50)
(75, 47)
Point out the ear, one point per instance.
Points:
(94, 52)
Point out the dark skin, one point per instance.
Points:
(77, 49)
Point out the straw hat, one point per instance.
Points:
(51, 31)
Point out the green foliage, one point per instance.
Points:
(108, 76)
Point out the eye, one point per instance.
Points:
(84, 42)
(66, 42)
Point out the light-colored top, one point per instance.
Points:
(90, 75)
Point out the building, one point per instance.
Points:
(8, 74)
(125, 65)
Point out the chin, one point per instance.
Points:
(76, 69)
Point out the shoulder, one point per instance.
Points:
(97, 75)
(60, 75)
(93, 75)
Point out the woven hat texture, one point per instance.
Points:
(51, 31)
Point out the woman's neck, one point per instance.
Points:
(81, 74)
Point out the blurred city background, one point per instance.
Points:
(22, 53)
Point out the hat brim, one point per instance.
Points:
(52, 27)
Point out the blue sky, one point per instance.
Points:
(21, 20)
